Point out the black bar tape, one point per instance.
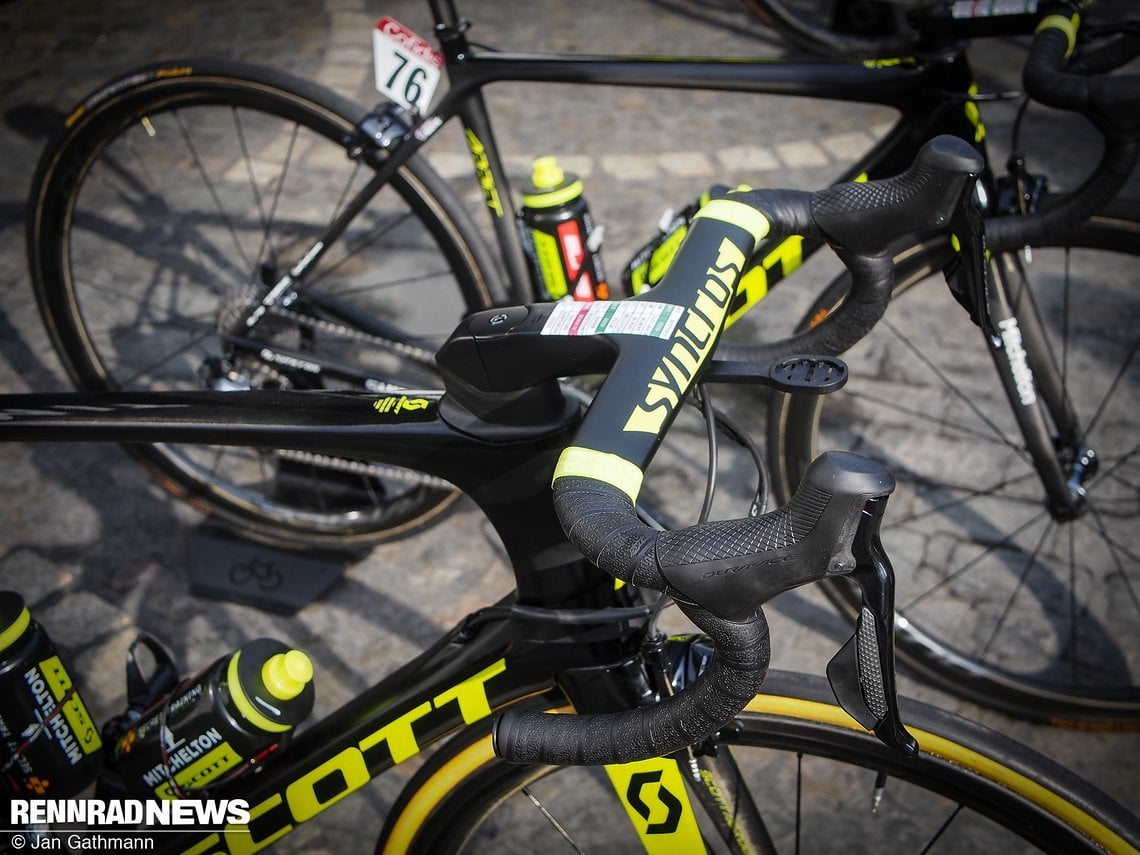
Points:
(733, 677)
(861, 220)
(1008, 233)
(1043, 79)
(602, 522)
(873, 280)
(1112, 103)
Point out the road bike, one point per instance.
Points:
(679, 743)
(1052, 645)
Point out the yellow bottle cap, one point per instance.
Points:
(547, 173)
(14, 619)
(286, 674)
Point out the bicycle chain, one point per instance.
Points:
(357, 467)
(419, 354)
(340, 464)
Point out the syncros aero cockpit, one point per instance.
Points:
(719, 573)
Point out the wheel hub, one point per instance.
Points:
(1083, 467)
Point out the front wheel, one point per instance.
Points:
(1000, 598)
(817, 781)
(177, 197)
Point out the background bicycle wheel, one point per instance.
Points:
(100, 552)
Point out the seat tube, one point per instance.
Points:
(496, 195)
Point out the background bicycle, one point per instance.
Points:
(81, 527)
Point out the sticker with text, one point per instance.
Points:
(623, 318)
(407, 67)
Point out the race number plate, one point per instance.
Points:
(407, 67)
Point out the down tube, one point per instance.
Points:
(454, 685)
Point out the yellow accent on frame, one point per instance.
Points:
(600, 466)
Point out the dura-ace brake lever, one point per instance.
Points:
(862, 673)
(830, 528)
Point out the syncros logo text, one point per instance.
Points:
(690, 344)
(346, 771)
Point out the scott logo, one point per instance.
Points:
(483, 171)
(691, 343)
(673, 808)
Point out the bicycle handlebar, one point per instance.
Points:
(721, 573)
(867, 254)
(1112, 104)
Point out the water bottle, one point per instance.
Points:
(650, 263)
(222, 722)
(49, 745)
(560, 237)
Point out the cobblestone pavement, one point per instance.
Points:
(100, 552)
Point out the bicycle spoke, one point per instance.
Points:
(219, 454)
(991, 491)
(382, 284)
(892, 405)
(287, 162)
(1111, 390)
(1030, 563)
(1113, 472)
(149, 369)
(267, 471)
(1114, 549)
(942, 829)
(553, 822)
(210, 187)
(368, 241)
(106, 229)
(1074, 642)
(247, 159)
(799, 799)
(953, 389)
(973, 562)
(121, 297)
(348, 184)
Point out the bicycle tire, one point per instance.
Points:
(986, 601)
(175, 196)
(464, 799)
